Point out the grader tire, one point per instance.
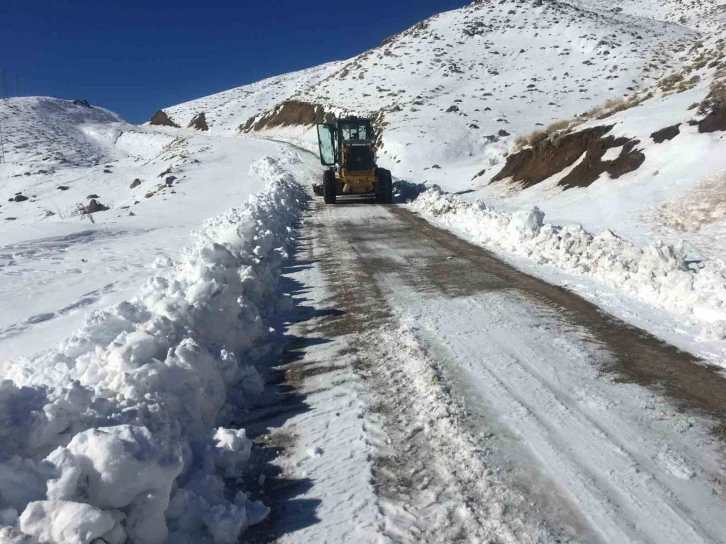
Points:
(329, 189)
(384, 188)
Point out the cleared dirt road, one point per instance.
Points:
(498, 407)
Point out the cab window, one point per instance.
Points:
(356, 131)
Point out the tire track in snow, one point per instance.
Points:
(432, 476)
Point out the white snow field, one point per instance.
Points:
(112, 423)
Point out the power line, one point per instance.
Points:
(2, 138)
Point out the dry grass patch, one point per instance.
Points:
(557, 129)
(668, 83)
(703, 205)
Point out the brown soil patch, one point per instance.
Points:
(551, 156)
(292, 112)
(667, 133)
(160, 118)
(592, 167)
(199, 122)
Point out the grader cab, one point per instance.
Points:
(347, 148)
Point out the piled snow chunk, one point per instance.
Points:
(231, 449)
(71, 522)
(122, 467)
(116, 434)
(657, 274)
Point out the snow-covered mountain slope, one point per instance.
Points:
(225, 112)
(699, 15)
(500, 67)
(59, 153)
(49, 131)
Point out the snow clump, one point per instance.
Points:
(657, 274)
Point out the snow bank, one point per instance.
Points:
(657, 274)
(117, 433)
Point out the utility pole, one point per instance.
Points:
(2, 138)
(2, 144)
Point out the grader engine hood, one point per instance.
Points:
(359, 155)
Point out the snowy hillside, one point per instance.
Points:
(455, 89)
(51, 131)
(226, 111)
(90, 230)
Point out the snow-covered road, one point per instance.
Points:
(444, 396)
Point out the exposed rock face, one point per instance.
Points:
(667, 133)
(160, 118)
(715, 121)
(199, 122)
(534, 165)
(292, 112)
(19, 198)
(95, 206)
(135, 183)
(83, 103)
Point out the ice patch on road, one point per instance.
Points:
(118, 432)
(657, 274)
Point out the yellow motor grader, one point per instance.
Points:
(347, 148)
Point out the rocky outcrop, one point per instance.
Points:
(199, 122)
(667, 133)
(291, 112)
(160, 118)
(534, 165)
(714, 121)
(95, 206)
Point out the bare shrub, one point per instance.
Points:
(669, 82)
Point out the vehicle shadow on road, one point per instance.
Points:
(282, 400)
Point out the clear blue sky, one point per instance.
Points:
(135, 57)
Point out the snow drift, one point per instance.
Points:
(118, 433)
(657, 274)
